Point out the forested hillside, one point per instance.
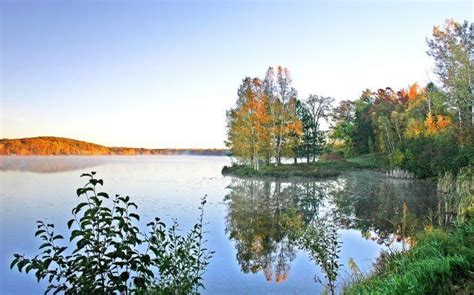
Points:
(65, 146)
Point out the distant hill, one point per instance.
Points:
(46, 145)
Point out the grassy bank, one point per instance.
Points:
(439, 263)
(319, 169)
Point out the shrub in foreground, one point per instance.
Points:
(107, 253)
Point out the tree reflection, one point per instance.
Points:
(269, 220)
(385, 209)
(263, 219)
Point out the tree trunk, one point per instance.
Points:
(460, 116)
(390, 145)
(472, 106)
(279, 150)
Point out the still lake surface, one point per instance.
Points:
(250, 222)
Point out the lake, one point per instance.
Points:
(251, 223)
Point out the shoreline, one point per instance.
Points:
(318, 169)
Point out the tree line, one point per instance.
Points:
(424, 129)
(48, 145)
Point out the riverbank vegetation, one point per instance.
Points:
(441, 262)
(426, 130)
(441, 258)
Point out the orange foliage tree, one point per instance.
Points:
(263, 124)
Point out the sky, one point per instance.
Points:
(161, 74)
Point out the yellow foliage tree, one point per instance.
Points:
(248, 136)
(435, 124)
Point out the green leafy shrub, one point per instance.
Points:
(105, 252)
(429, 156)
(397, 159)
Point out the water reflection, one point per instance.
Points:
(386, 209)
(41, 164)
(261, 218)
(270, 220)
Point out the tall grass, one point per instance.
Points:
(456, 195)
(442, 260)
(438, 264)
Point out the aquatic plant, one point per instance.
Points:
(456, 196)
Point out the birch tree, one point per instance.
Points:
(451, 47)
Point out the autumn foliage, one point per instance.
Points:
(263, 124)
(44, 146)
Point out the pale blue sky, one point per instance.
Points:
(162, 73)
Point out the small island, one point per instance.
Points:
(317, 169)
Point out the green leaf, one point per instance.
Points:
(69, 223)
(134, 215)
(104, 195)
(39, 232)
(45, 245)
(22, 264)
(82, 243)
(61, 250)
(85, 223)
(28, 268)
(78, 208)
(47, 262)
(75, 233)
(139, 282)
(14, 262)
(124, 276)
(95, 200)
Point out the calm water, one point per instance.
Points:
(251, 222)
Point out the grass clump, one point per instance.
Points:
(438, 264)
(366, 161)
